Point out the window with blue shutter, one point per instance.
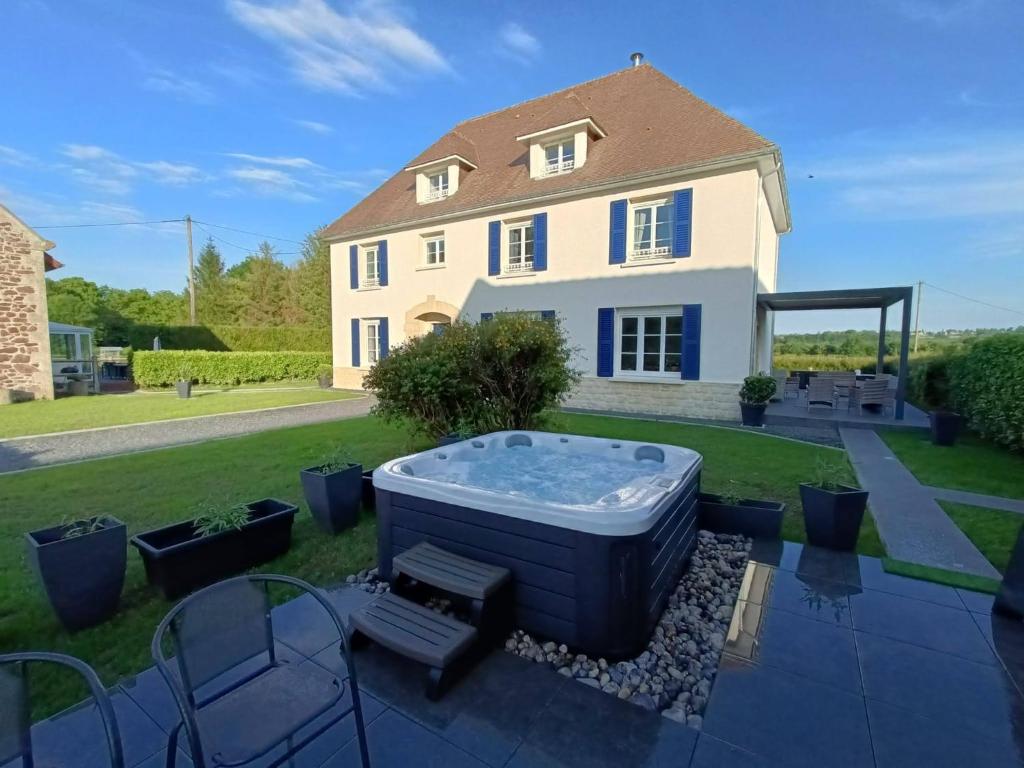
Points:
(547, 314)
(682, 215)
(486, 316)
(605, 341)
(617, 233)
(691, 342)
(382, 334)
(355, 342)
(540, 242)
(353, 266)
(382, 262)
(494, 248)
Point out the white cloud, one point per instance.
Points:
(108, 172)
(365, 49)
(173, 174)
(279, 161)
(165, 81)
(515, 41)
(938, 12)
(314, 127)
(12, 156)
(272, 182)
(928, 176)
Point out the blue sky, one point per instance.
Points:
(276, 116)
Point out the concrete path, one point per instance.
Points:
(977, 499)
(22, 453)
(912, 525)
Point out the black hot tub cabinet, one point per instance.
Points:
(593, 576)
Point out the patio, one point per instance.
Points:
(830, 661)
(794, 412)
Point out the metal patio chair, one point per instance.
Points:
(229, 675)
(15, 709)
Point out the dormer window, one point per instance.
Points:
(560, 157)
(437, 185)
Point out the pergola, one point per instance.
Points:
(856, 298)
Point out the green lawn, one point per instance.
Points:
(993, 531)
(149, 489)
(971, 465)
(41, 416)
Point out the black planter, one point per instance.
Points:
(753, 414)
(82, 576)
(184, 389)
(178, 562)
(325, 380)
(453, 437)
(369, 492)
(945, 426)
(334, 497)
(749, 517)
(832, 518)
(1010, 598)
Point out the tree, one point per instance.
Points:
(211, 286)
(74, 300)
(263, 288)
(313, 282)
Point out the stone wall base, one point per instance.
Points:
(348, 378)
(687, 399)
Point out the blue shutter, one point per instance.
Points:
(547, 314)
(494, 248)
(540, 242)
(486, 316)
(382, 337)
(353, 266)
(382, 261)
(617, 233)
(682, 215)
(355, 342)
(690, 369)
(605, 341)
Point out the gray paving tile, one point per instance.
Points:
(806, 596)
(978, 602)
(714, 753)
(868, 573)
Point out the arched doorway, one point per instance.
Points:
(429, 316)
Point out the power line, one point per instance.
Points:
(245, 248)
(248, 232)
(976, 301)
(110, 224)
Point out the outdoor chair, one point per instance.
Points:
(821, 391)
(873, 393)
(780, 386)
(791, 387)
(238, 700)
(842, 383)
(15, 707)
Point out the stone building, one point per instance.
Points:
(25, 369)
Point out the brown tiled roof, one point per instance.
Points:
(51, 263)
(652, 122)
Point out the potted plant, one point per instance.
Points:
(945, 423)
(80, 566)
(727, 512)
(754, 396)
(945, 426)
(184, 383)
(219, 541)
(333, 490)
(325, 376)
(833, 510)
(463, 431)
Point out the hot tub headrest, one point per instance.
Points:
(513, 440)
(649, 453)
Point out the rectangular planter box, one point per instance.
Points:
(178, 562)
(333, 498)
(748, 517)
(82, 576)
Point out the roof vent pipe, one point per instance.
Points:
(636, 58)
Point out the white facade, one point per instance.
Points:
(737, 214)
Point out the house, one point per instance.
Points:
(25, 368)
(642, 217)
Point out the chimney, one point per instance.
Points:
(636, 58)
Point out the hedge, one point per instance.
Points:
(865, 363)
(987, 386)
(163, 369)
(229, 338)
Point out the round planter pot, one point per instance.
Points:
(945, 426)
(184, 389)
(753, 414)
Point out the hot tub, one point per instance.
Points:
(595, 531)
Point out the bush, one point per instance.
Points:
(757, 389)
(498, 374)
(865, 363)
(987, 384)
(161, 369)
(928, 385)
(227, 338)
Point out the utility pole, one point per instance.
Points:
(191, 274)
(917, 313)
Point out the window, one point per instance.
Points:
(650, 341)
(372, 341)
(437, 185)
(434, 251)
(520, 248)
(371, 271)
(652, 230)
(62, 346)
(560, 157)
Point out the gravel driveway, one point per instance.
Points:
(29, 452)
